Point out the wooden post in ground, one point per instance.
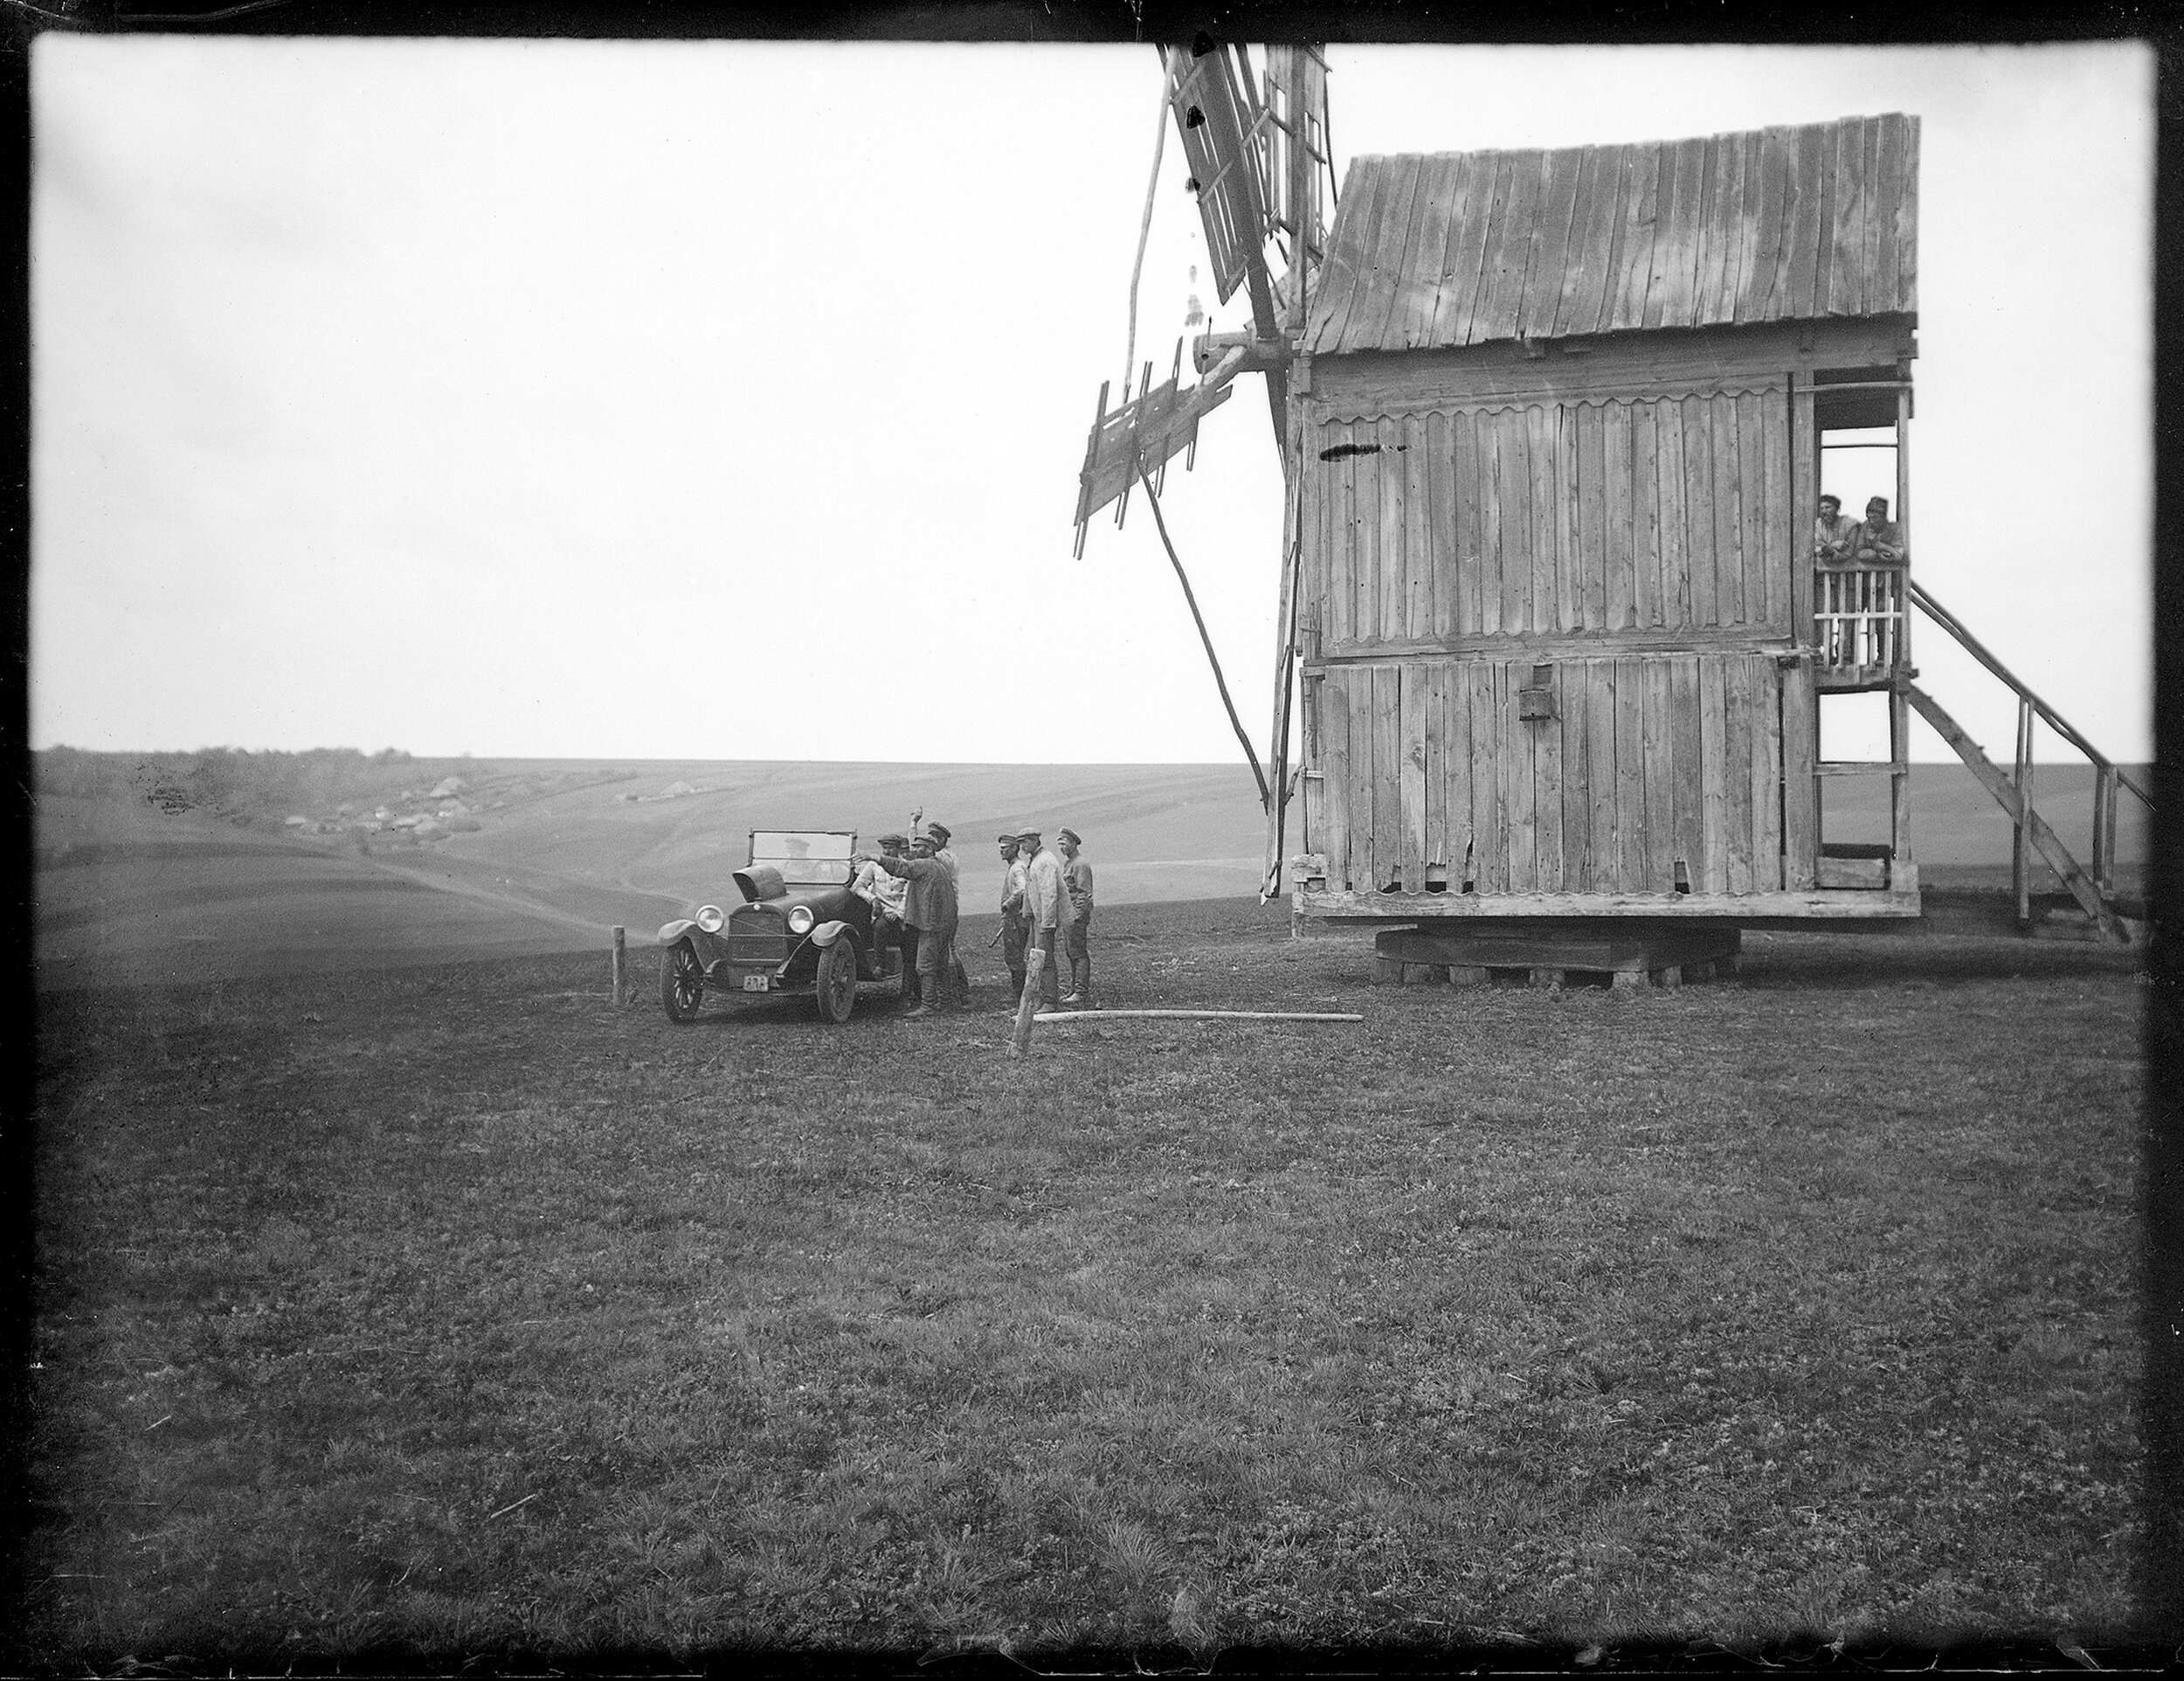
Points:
(2020, 851)
(621, 970)
(1027, 1005)
(2104, 816)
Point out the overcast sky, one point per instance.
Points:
(726, 400)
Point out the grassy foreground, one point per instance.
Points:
(455, 1310)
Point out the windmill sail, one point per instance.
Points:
(1161, 422)
(1214, 112)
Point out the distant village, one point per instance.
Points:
(453, 804)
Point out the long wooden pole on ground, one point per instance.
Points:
(1195, 1015)
(621, 968)
(1199, 618)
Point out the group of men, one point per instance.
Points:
(1046, 901)
(1876, 541)
(1046, 906)
(910, 885)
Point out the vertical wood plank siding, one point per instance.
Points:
(1410, 770)
(1650, 763)
(1527, 519)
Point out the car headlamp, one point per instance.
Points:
(800, 920)
(710, 919)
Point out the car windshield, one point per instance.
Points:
(805, 857)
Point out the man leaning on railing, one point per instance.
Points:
(1879, 540)
(1831, 531)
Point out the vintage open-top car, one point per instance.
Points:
(800, 930)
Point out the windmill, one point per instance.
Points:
(1255, 143)
(1551, 426)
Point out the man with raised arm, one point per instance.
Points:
(931, 911)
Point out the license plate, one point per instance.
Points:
(757, 983)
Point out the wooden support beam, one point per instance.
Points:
(2020, 858)
(1453, 910)
(1899, 775)
(2036, 830)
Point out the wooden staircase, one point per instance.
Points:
(2093, 889)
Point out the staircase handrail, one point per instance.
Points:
(1925, 600)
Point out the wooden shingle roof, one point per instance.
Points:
(1454, 248)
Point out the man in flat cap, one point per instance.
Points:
(931, 911)
(940, 832)
(1046, 911)
(1879, 541)
(957, 978)
(1076, 877)
(888, 896)
(1015, 934)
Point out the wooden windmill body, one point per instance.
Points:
(1551, 424)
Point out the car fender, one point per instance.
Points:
(670, 932)
(826, 933)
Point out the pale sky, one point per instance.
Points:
(726, 400)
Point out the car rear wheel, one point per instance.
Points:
(837, 990)
(681, 983)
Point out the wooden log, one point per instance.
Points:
(1027, 1004)
(1387, 971)
(621, 969)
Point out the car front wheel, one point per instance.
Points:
(681, 983)
(837, 988)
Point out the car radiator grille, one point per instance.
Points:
(758, 940)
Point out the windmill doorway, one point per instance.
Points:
(1860, 633)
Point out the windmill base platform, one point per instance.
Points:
(1619, 951)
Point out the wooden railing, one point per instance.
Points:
(1858, 618)
(2108, 777)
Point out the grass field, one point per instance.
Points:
(452, 1309)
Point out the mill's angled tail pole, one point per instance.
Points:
(1266, 799)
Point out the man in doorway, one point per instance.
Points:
(1076, 877)
(1014, 934)
(1046, 911)
(931, 911)
(1831, 531)
(1879, 541)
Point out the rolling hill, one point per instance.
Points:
(132, 887)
